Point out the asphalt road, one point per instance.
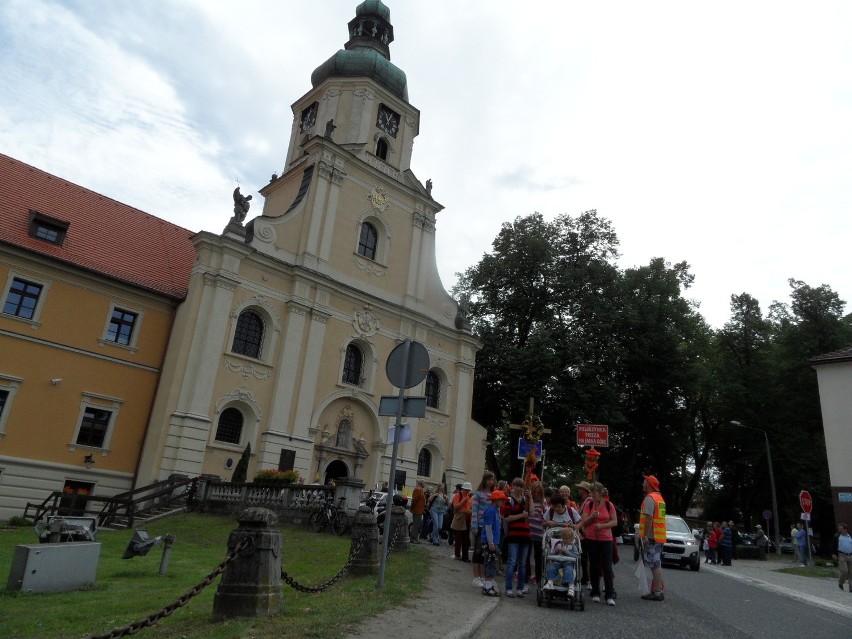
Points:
(698, 604)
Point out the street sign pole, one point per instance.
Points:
(391, 485)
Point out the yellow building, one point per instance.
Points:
(89, 290)
(288, 323)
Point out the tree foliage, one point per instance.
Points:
(561, 323)
(241, 469)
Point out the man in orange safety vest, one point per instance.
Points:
(652, 532)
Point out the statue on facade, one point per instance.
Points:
(429, 187)
(330, 126)
(462, 322)
(241, 205)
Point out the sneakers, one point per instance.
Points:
(525, 590)
(510, 592)
(571, 591)
(654, 596)
(597, 599)
(490, 592)
(520, 593)
(533, 580)
(477, 581)
(610, 602)
(549, 585)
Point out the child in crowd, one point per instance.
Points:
(565, 546)
(491, 527)
(479, 504)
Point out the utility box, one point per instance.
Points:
(53, 567)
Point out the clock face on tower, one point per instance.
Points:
(388, 121)
(309, 117)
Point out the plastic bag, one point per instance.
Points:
(644, 575)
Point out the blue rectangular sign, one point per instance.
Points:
(524, 447)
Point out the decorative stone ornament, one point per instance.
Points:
(365, 322)
(379, 199)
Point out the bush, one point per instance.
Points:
(18, 522)
(748, 552)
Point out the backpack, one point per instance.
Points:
(618, 530)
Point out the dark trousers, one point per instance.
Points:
(726, 555)
(462, 543)
(600, 565)
(584, 561)
(535, 554)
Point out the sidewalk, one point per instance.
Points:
(823, 592)
(450, 607)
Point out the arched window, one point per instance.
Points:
(344, 433)
(230, 427)
(433, 389)
(368, 241)
(352, 365)
(424, 463)
(382, 149)
(248, 337)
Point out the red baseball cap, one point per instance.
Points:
(499, 494)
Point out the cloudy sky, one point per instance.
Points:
(717, 133)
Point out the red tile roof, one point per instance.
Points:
(104, 236)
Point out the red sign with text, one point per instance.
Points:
(806, 501)
(593, 435)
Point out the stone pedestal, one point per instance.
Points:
(251, 583)
(399, 529)
(366, 562)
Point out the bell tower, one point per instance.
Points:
(359, 98)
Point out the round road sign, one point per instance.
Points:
(417, 369)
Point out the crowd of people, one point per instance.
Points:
(498, 528)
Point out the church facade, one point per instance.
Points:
(289, 319)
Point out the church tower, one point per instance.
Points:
(283, 338)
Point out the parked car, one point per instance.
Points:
(681, 546)
(629, 535)
(750, 539)
(376, 501)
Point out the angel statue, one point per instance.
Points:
(241, 205)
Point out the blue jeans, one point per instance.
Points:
(437, 524)
(517, 558)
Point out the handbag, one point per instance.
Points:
(459, 521)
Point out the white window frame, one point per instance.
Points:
(9, 384)
(137, 326)
(99, 402)
(45, 286)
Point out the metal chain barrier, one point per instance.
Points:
(150, 620)
(315, 589)
(394, 538)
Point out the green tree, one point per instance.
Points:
(241, 470)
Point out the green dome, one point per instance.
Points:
(363, 63)
(367, 53)
(373, 7)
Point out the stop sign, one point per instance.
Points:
(806, 501)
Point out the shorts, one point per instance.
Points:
(652, 555)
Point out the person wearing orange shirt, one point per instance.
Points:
(418, 507)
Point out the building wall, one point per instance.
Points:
(835, 382)
(61, 361)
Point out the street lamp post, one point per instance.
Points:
(771, 485)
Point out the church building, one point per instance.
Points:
(290, 316)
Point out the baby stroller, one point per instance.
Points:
(557, 557)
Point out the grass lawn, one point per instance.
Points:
(127, 590)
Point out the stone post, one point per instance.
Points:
(366, 562)
(399, 529)
(251, 583)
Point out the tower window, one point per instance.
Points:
(230, 427)
(433, 389)
(382, 149)
(368, 241)
(424, 463)
(248, 336)
(352, 365)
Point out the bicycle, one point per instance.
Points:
(330, 516)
